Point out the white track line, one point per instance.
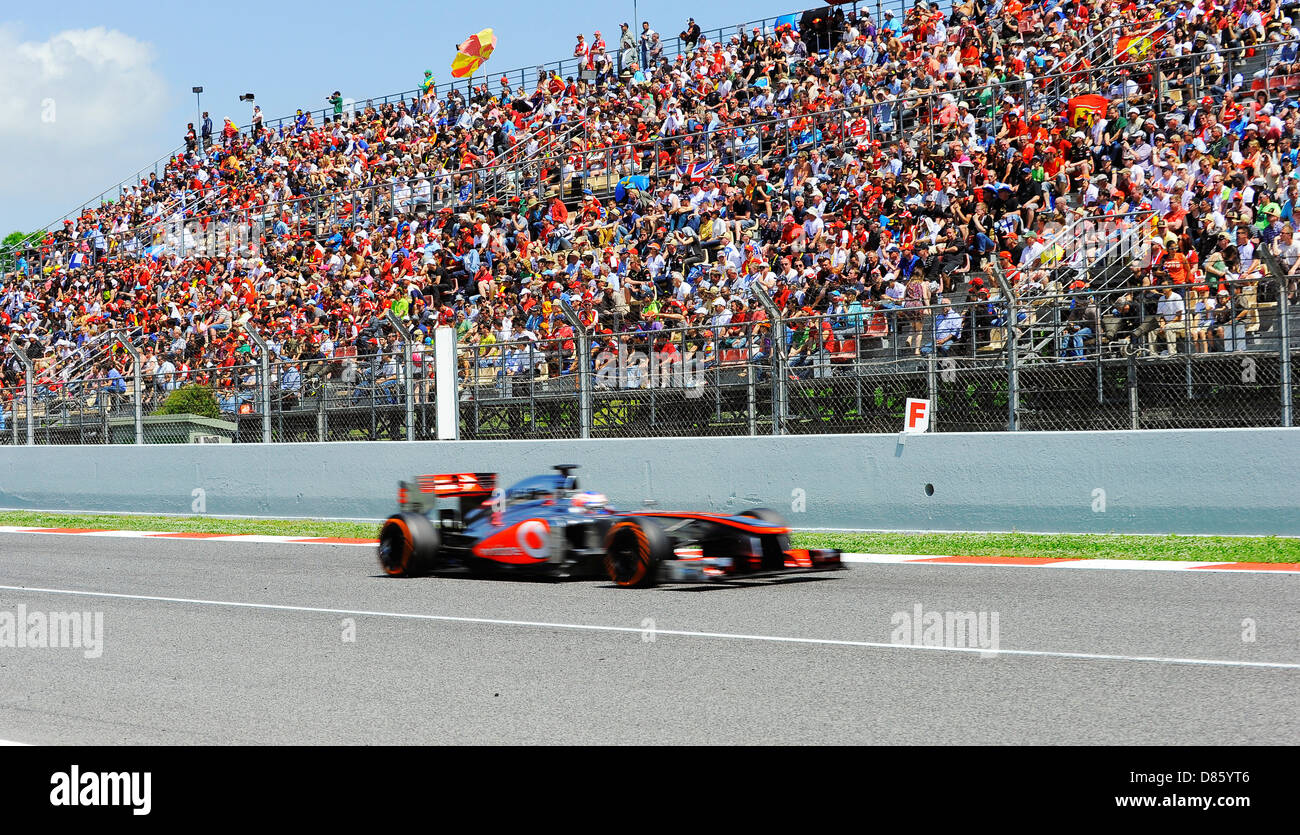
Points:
(929, 559)
(1139, 565)
(1028, 653)
(1096, 564)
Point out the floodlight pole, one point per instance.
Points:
(28, 391)
(183, 220)
(584, 369)
(408, 372)
(780, 403)
(265, 368)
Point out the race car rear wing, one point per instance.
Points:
(423, 494)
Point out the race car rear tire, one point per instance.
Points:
(408, 545)
(634, 549)
(774, 545)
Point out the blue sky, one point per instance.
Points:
(91, 92)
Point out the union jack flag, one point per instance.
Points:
(695, 171)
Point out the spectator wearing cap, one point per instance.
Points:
(842, 324)
(626, 48)
(690, 36)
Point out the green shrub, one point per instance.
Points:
(191, 400)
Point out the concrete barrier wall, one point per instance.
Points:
(1185, 481)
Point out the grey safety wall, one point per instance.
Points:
(1184, 481)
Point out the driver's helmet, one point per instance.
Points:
(590, 500)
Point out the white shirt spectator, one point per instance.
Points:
(1170, 307)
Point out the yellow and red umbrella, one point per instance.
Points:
(472, 53)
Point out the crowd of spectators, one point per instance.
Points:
(878, 165)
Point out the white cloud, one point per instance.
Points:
(77, 113)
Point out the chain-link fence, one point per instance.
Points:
(1174, 357)
(1131, 357)
(1124, 359)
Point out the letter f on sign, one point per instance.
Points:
(918, 416)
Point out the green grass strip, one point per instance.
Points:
(196, 524)
(1068, 546)
(1064, 546)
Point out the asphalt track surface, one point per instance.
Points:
(244, 644)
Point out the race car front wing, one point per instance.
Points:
(691, 566)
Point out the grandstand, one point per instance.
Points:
(1053, 215)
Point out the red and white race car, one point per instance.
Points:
(546, 525)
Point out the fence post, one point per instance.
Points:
(320, 410)
(780, 401)
(751, 386)
(28, 396)
(931, 368)
(1284, 333)
(1134, 419)
(1186, 340)
(408, 373)
(138, 396)
(1013, 359)
(264, 379)
(104, 404)
(1282, 279)
(583, 359)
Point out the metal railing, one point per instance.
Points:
(1096, 248)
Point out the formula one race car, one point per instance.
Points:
(545, 525)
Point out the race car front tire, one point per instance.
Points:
(634, 550)
(408, 545)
